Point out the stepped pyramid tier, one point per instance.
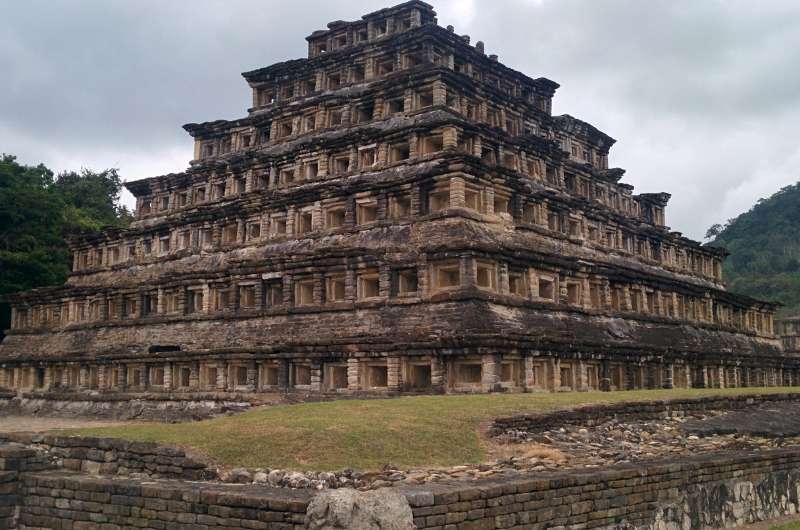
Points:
(398, 212)
(789, 331)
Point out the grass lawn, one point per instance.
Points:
(789, 526)
(366, 434)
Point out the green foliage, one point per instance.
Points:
(91, 200)
(765, 249)
(38, 211)
(32, 249)
(714, 231)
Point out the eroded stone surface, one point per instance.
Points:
(137, 407)
(350, 509)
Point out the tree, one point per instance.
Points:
(764, 249)
(713, 231)
(37, 213)
(91, 200)
(32, 248)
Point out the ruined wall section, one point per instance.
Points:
(703, 492)
(710, 491)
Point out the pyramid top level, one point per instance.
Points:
(345, 37)
(375, 25)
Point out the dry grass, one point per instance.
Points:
(525, 450)
(366, 434)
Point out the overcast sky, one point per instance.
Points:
(702, 96)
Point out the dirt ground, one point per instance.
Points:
(41, 424)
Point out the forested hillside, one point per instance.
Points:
(765, 249)
(38, 210)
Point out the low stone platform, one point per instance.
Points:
(162, 407)
(589, 415)
(598, 436)
(773, 420)
(712, 491)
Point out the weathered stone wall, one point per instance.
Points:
(459, 318)
(633, 410)
(111, 456)
(14, 460)
(789, 332)
(163, 407)
(711, 491)
(57, 500)
(715, 491)
(9, 499)
(439, 334)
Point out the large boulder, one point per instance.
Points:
(382, 509)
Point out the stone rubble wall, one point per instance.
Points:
(64, 500)
(14, 460)
(9, 499)
(713, 491)
(631, 411)
(718, 490)
(34, 497)
(111, 456)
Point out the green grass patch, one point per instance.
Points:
(789, 526)
(366, 434)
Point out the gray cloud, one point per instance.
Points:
(704, 97)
